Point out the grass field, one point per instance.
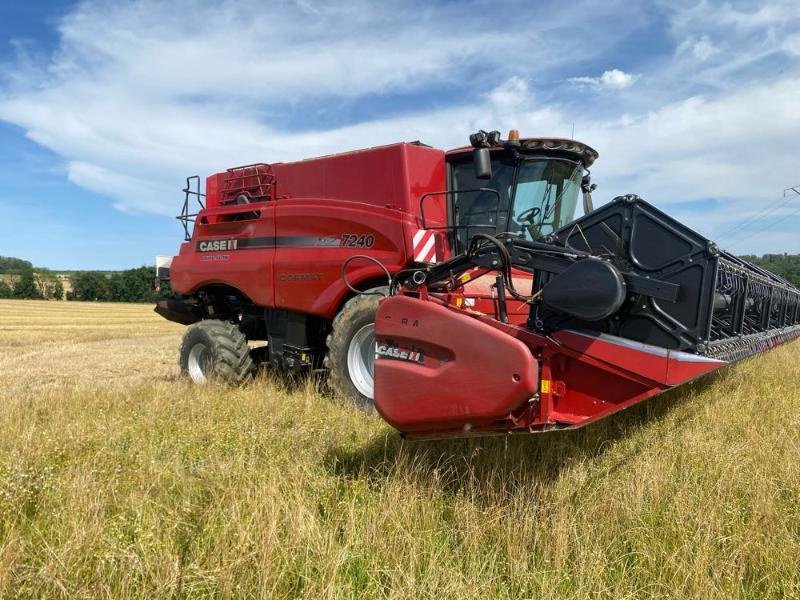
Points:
(118, 479)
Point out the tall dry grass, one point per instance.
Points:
(118, 479)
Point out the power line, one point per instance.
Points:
(768, 226)
(761, 215)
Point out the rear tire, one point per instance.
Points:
(351, 350)
(216, 351)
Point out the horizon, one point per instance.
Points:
(105, 109)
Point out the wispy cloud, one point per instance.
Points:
(140, 94)
(614, 79)
(699, 49)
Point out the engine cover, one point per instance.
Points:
(438, 368)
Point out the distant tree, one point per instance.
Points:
(25, 286)
(48, 283)
(131, 285)
(6, 291)
(9, 264)
(58, 290)
(139, 284)
(784, 265)
(90, 285)
(165, 290)
(116, 288)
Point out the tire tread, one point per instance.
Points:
(232, 362)
(338, 340)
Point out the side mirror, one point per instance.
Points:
(587, 187)
(482, 162)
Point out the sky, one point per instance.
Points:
(106, 107)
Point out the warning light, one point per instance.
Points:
(513, 135)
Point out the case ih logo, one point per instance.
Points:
(389, 351)
(424, 243)
(217, 245)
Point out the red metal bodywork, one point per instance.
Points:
(307, 217)
(318, 206)
(454, 368)
(472, 374)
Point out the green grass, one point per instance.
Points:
(148, 487)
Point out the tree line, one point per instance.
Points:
(132, 285)
(20, 279)
(27, 283)
(9, 264)
(783, 265)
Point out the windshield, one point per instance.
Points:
(543, 200)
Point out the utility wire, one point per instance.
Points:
(760, 216)
(768, 226)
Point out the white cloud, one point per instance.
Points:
(701, 49)
(138, 94)
(141, 94)
(750, 135)
(792, 44)
(614, 79)
(726, 16)
(617, 79)
(512, 94)
(727, 46)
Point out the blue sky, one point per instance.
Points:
(106, 107)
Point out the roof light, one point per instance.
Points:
(513, 135)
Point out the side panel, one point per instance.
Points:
(424, 173)
(334, 207)
(595, 375)
(388, 176)
(328, 209)
(314, 239)
(248, 266)
(437, 369)
(423, 177)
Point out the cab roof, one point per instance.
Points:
(585, 153)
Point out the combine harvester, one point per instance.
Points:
(503, 313)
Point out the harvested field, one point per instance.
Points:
(119, 479)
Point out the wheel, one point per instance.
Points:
(216, 351)
(351, 350)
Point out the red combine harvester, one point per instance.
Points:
(502, 312)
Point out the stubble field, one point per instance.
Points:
(119, 479)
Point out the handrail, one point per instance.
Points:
(449, 192)
(186, 217)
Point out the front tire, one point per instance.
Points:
(351, 350)
(216, 351)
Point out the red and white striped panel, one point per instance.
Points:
(424, 244)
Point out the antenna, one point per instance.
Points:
(573, 130)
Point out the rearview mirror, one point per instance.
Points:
(482, 163)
